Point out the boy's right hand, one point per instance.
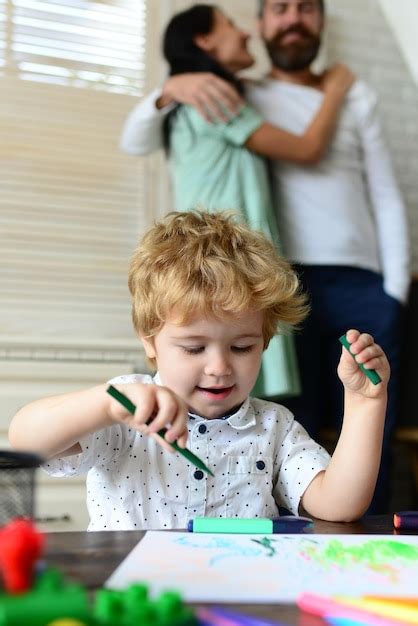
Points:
(157, 407)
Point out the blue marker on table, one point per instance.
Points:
(406, 520)
(244, 526)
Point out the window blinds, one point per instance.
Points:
(72, 205)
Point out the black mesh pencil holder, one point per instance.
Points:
(17, 484)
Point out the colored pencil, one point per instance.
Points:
(329, 608)
(363, 621)
(217, 616)
(392, 610)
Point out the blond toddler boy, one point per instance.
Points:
(208, 295)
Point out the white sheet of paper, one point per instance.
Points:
(270, 568)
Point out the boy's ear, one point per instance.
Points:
(149, 347)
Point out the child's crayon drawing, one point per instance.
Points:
(268, 544)
(274, 568)
(222, 547)
(385, 557)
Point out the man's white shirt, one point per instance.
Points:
(347, 210)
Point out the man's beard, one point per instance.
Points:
(295, 56)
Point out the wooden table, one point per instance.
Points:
(90, 558)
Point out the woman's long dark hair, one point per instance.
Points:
(183, 55)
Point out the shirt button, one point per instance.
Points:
(260, 465)
(202, 429)
(198, 474)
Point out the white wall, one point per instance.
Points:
(402, 17)
(360, 35)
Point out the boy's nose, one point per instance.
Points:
(218, 365)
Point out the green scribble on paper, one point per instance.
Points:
(266, 542)
(378, 555)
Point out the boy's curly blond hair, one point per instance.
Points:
(199, 263)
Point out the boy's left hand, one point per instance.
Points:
(371, 355)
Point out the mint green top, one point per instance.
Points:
(212, 169)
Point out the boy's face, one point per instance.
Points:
(211, 364)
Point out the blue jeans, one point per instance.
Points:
(342, 298)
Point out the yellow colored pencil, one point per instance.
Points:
(404, 601)
(394, 610)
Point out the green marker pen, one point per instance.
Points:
(372, 375)
(246, 526)
(129, 406)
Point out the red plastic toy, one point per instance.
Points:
(20, 547)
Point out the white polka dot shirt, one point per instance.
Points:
(260, 456)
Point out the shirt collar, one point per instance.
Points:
(243, 418)
(156, 379)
